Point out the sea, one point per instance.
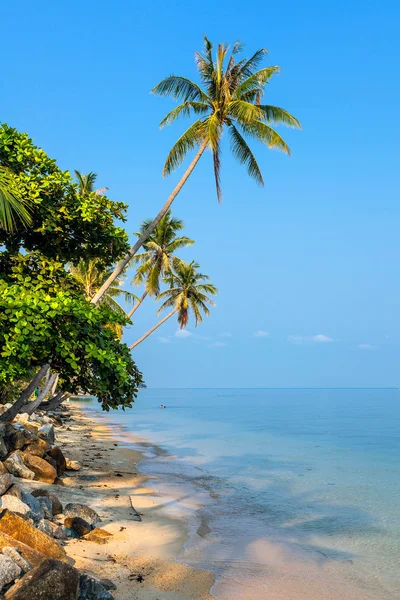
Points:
(290, 493)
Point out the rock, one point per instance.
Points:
(13, 553)
(37, 448)
(21, 530)
(82, 511)
(31, 555)
(37, 511)
(14, 438)
(3, 448)
(2, 468)
(92, 589)
(57, 455)
(52, 580)
(9, 571)
(47, 431)
(4, 407)
(51, 461)
(15, 490)
(22, 417)
(72, 465)
(15, 504)
(60, 532)
(56, 504)
(78, 525)
(5, 482)
(32, 427)
(16, 466)
(98, 535)
(45, 527)
(47, 507)
(42, 470)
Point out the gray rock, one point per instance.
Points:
(3, 448)
(15, 490)
(37, 510)
(47, 431)
(15, 504)
(81, 510)
(15, 465)
(47, 506)
(45, 527)
(5, 482)
(56, 504)
(13, 553)
(92, 589)
(51, 580)
(9, 571)
(60, 532)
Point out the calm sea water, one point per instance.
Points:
(306, 477)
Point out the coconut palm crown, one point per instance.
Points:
(230, 97)
(13, 211)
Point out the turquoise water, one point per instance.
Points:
(315, 472)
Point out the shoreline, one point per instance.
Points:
(140, 557)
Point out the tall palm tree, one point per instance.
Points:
(230, 97)
(86, 183)
(158, 253)
(12, 208)
(187, 291)
(90, 275)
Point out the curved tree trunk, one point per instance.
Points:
(122, 264)
(54, 402)
(12, 412)
(32, 406)
(153, 329)
(138, 303)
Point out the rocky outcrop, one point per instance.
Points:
(84, 512)
(52, 580)
(9, 571)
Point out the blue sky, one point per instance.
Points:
(311, 259)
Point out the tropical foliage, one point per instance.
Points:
(13, 211)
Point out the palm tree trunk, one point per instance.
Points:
(55, 402)
(32, 406)
(138, 303)
(122, 264)
(153, 329)
(12, 412)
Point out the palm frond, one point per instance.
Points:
(185, 109)
(244, 112)
(266, 134)
(244, 155)
(258, 79)
(192, 137)
(180, 87)
(13, 209)
(274, 114)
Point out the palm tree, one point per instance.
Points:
(157, 257)
(12, 208)
(187, 291)
(230, 97)
(86, 183)
(90, 275)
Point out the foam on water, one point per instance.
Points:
(283, 489)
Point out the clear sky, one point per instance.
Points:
(308, 266)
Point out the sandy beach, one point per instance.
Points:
(139, 558)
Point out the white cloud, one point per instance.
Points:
(366, 346)
(306, 339)
(164, 340)
(183, 333)
(217, 345)
(226, 334)
(261, 333)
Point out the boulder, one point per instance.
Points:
(13, 553)
(21, 530)
(42, 470)
(59, 532)
(9, 571)
(37, 511)
(72, 465)
(32, 427)
(15, 490)
(15, 504)
(51, 461)
(84, 512)
(45, 527)
(37, 448)
(98, 535)
(5, 482)
(52, 580)
(47, 507)
(14, 437)
(92, 589)
(57, 455)
(56, 504)
(31, 555)
(16, 466)
(22, 417)
(47, 431)
(3, 448)
(78, 525)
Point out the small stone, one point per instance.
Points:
(83, 511)
(52, 580)
(22, 417)
(9, 571)
(78, 525)
(57, 455)
(56, 504)
(72, 465)
(42, 470)
(47, 431)
(5, 482)
(16, 466)
(13, 553)
(92, 589)
(98, 535)
(15, 504)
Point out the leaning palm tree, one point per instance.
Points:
(86, 183)
(159, 250)
(12, 209)
(229, 97)
(90, 275)
(187, 291)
